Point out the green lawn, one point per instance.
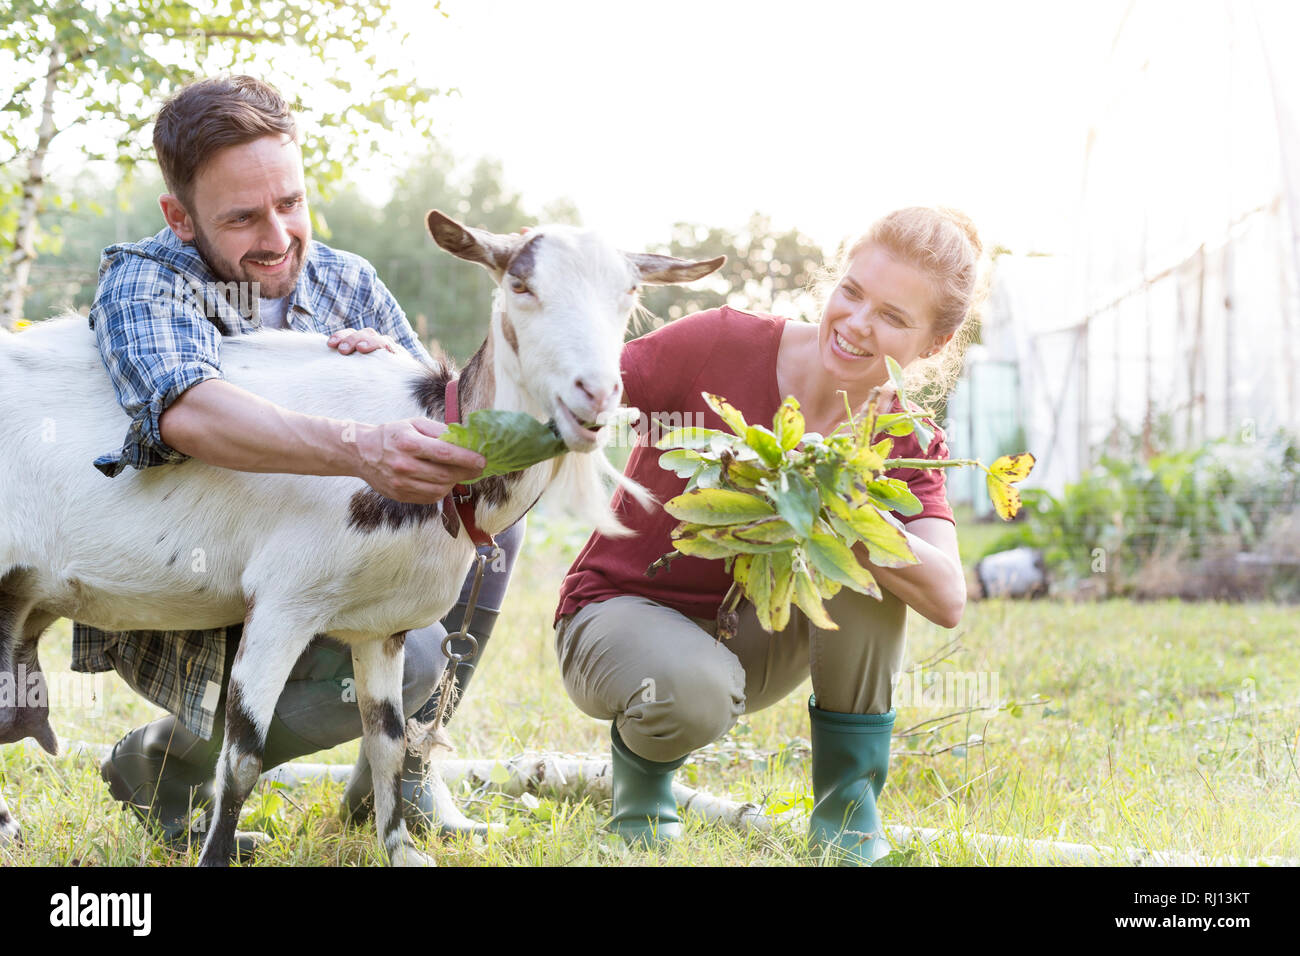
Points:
(1165, 725)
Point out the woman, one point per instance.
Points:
(641, 651)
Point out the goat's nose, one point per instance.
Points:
(599, 396)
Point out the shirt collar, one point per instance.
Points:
(185, 258)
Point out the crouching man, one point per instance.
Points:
(237, 255)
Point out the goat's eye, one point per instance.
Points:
(633, 290)
(518, 285)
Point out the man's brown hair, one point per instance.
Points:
(210, 115)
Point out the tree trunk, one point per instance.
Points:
(19, 266)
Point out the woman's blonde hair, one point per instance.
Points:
(944, 244)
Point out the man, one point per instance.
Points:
(237, 255)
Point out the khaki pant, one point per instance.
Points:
(672, 687)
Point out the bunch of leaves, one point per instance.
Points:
(510, 441)
(784, 507)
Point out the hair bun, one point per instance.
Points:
(966, 225)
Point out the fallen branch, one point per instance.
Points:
(564, 777)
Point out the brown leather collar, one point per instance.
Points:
(462, 496)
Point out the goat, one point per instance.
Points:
(295, 556)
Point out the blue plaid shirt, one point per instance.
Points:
(159, 316)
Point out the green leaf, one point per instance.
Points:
(681, 462)
(727, 412)
(796, 500)
(765, 531)
(710, 476)
(867, 463)
(835, 560)
(894, 423)
(745, 474)
(693, 539)
(718, 506)
(886, 545)
(765, 443)
(892, 494)
(510, 441)
(787, 800)
(923, 434)
(1005, 497)
(810, 601)
(740, 571)
(694, 438)
(758, 588)
(788, 424)
(782, 590)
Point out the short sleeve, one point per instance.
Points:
(660, 365)
(929, 485)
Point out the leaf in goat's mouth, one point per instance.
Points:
(510, 441)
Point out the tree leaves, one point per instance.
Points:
(117, 62)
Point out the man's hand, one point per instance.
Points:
(224, 425)
(361, 340)
(405, 461)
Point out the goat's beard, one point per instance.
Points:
(227, 271)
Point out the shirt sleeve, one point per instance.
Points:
(155, 343)
(658, 366)
(384, 314)
(928, 484)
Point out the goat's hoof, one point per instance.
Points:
(407, 855)
(245, 847)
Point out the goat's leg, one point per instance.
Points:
(267, 651)
(18, 662)
(378, 669)
(24, 696)
(9, 831)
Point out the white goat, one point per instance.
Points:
(294, 556)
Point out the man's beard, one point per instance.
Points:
(227, 271)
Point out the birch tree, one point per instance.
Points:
(109, 65)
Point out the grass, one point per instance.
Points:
(1164, 725)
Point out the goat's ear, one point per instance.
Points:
(665, 270)
(476, 245)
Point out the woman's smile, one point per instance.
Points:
(849, 351)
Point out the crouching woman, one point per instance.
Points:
(641, 652)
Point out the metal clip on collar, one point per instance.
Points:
(446, 685)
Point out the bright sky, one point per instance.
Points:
(820, 114)
(823, 114)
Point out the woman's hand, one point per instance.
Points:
(361, 340)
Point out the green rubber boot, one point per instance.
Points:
(163, 774)
(850, 759)
(645, 810)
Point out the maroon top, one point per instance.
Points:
(729, 353)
